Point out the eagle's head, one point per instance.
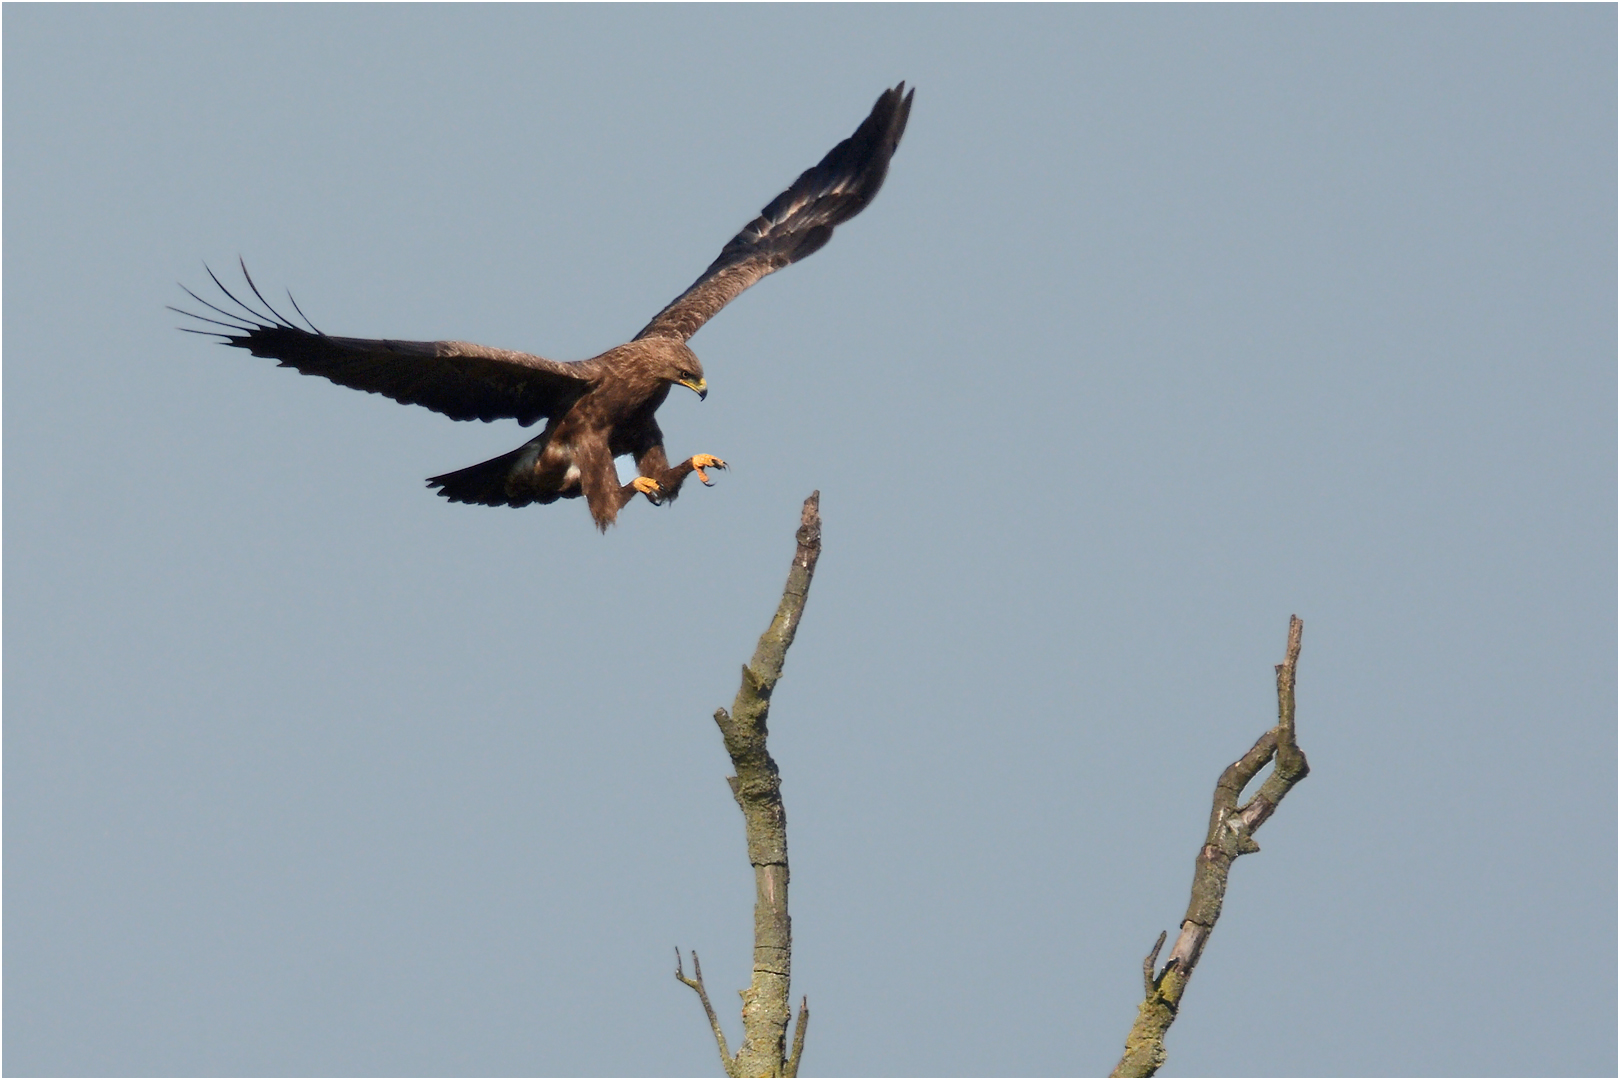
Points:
(685, 369)
(652, 365)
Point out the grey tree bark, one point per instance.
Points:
(1231, 833)
(757, 787)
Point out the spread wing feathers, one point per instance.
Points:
(461, 380)
(797, 222)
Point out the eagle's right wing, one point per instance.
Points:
(461, 380)
(797, 222)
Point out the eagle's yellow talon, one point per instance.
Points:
(646, 485)
(705, 461)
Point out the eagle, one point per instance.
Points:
(598, 409)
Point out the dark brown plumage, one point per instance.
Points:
(596, 409)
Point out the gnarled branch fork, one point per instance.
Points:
(757, 787)
(1231, 829)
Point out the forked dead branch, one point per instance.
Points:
(1231, 833)
(757, 787)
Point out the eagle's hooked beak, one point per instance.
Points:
(698, 386)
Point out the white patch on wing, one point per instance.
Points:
(571, 476)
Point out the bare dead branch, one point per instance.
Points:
(757, 787)
(696, 983)
(1230, 835)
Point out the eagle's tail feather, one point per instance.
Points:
(491, 483)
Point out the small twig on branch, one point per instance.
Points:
(1230, 834)
(1149, 963)
(696, 983)
(798, 1038)
(757, 787)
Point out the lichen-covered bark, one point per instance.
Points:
(757, 787)
(1231, 829)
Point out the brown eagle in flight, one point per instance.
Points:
(596, 409)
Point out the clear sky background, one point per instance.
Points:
(1169, 323)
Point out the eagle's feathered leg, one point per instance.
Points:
(654, 466)
(600, 481)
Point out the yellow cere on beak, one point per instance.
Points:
(700, 386)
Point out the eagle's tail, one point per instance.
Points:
(498, 481)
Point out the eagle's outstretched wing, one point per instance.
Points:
(461, 380)
(797, 222)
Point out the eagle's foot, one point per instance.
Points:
(647, 486)
(705, 461)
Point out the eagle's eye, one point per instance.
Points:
(685, 375)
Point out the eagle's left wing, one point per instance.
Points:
(457, 378)
(797, 222)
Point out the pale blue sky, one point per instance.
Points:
(1169, 323)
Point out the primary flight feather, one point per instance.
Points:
(596, 409)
